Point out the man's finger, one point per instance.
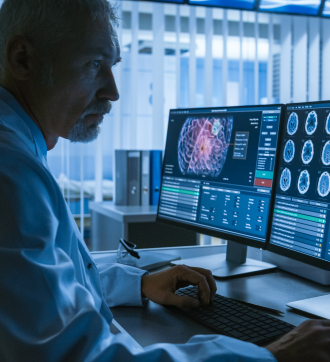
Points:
(207, 273)
(182, 301)
(189, 275)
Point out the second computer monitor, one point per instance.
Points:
(301, 217)
(218, 171)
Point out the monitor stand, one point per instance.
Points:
(230, 265)
(297, 267)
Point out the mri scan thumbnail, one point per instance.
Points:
(303, 182)
(292, 125)
(323, 186)
(326, 154)
(327, 125)
(289, 150)
(285, 180)
(307, 152)
(311, 123)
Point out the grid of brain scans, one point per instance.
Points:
(301, 213)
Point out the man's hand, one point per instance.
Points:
(308, 342)
(160, 287)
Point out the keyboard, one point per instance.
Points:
(234, 319)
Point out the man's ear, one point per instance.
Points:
(20, 57)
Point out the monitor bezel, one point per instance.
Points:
(292, 13)
(304, 258)
(248, 241)
(224, 6)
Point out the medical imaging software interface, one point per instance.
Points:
(302, 203)
(218, 169)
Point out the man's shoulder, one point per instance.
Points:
(17, 166)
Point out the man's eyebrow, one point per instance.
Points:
(98, 51)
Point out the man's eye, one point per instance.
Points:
(95, 64)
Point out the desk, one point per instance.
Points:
(157, 324)
(110, 222)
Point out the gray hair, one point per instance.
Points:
(45, 23)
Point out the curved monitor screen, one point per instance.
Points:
(240, 4)
(301, 218)
(326, 9)
(218, 170)
(309, 7)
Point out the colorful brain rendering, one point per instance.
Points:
(203, 145)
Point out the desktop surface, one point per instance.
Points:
(158, 324)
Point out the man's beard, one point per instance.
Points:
(81, 132)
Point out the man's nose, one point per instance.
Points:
(109, 89)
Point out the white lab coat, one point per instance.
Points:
(54, 302)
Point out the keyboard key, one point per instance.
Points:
(229, 317)
(273, 334)
(236, 334)
(222, 320)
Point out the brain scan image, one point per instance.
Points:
(327, 125)
(307, 152)
(285, 180)
(311, 123)
(326, 154)
(303, 182)
(292, 125)
(289, 150)
(203, 145)
(323, 186)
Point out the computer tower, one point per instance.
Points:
(128, 177)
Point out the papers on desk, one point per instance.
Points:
(152, 260)
(318, 306)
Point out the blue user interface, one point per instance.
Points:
(219, 167)
(301, 219)
(240, 4)
(309, 7)
(326, 9)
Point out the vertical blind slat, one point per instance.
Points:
(134, 75)
(177, 55)
(208, 57)
(192, 57)
(241, 38)
(314, 59)
(325, 58)
(117, 131)
(158, 25)
(98, 169)
(300, 52)
(224, 58)
(285, 67)
(256, 60)
(270, 59)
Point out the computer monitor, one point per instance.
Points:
(326, 8)
(238, 4)
(217, 178)
(291, 7)
(300, 229)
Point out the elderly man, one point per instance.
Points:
(56, 59)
